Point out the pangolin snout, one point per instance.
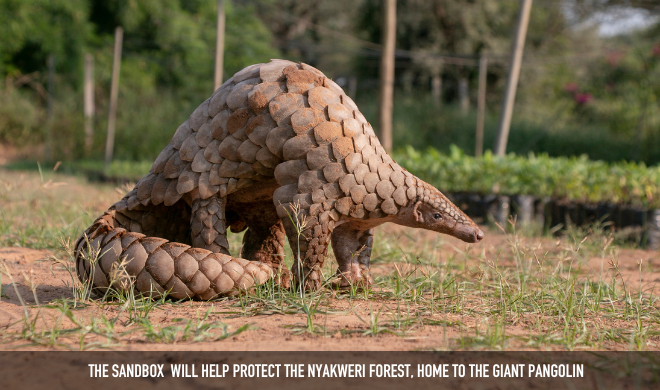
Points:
(469, 234)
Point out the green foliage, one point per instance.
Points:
(320, 33)
(620, 93)
(610, 112)
(420, 122)
(173, 42)
(167, 68)
(30, 30)
(118, 169)
(166, 71)
(574, 178)
(19, 118)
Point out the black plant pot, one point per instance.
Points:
(523, 208)
(462, 201)
(653, 230)
(614, 212)
(632, 216)
(603, 212)
(500, 209)
(542, 211)
(589, 212)
(477, 206)
(572, 212)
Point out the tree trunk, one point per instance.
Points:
(219, 45)
(387, 73)
(512, 80)
(114, 92)
(463, 95)
(436, 88)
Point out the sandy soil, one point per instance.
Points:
(274, 331)
(344, 321)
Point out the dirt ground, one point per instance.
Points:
(432, 292)
(273, 331)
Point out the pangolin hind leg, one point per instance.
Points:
(208, 224)
(352, 249)
(264, 239)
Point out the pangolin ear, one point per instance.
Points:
(419, 217)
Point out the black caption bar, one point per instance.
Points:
(122, 370)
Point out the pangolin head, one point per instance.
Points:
(431, 210)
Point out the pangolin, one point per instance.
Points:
(280, 150)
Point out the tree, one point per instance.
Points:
(462, 28)
(31, 30)
(167, 64)
(320, 33)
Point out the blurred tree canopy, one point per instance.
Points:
(166, 42)
(579, 91)
(30, 30)
(167, 63)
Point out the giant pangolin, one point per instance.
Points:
(279, 146)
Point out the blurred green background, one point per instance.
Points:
(590, 81)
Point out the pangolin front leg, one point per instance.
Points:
(352, 250)
(309, 238)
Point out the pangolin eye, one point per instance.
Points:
(437, 216)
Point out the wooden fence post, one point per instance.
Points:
(114, 91)
(512, 80)
(88, 92)
(219, 45)
(387, 73)
(49, 152)
(436, 87)
(481, 106)
(464, 94)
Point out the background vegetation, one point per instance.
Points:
(571, 178)
(581, 92)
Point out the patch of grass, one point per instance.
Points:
(193, 330)
(120, 315)
(47, 210)
(117, 171)
(38, 211)
(577, 291)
